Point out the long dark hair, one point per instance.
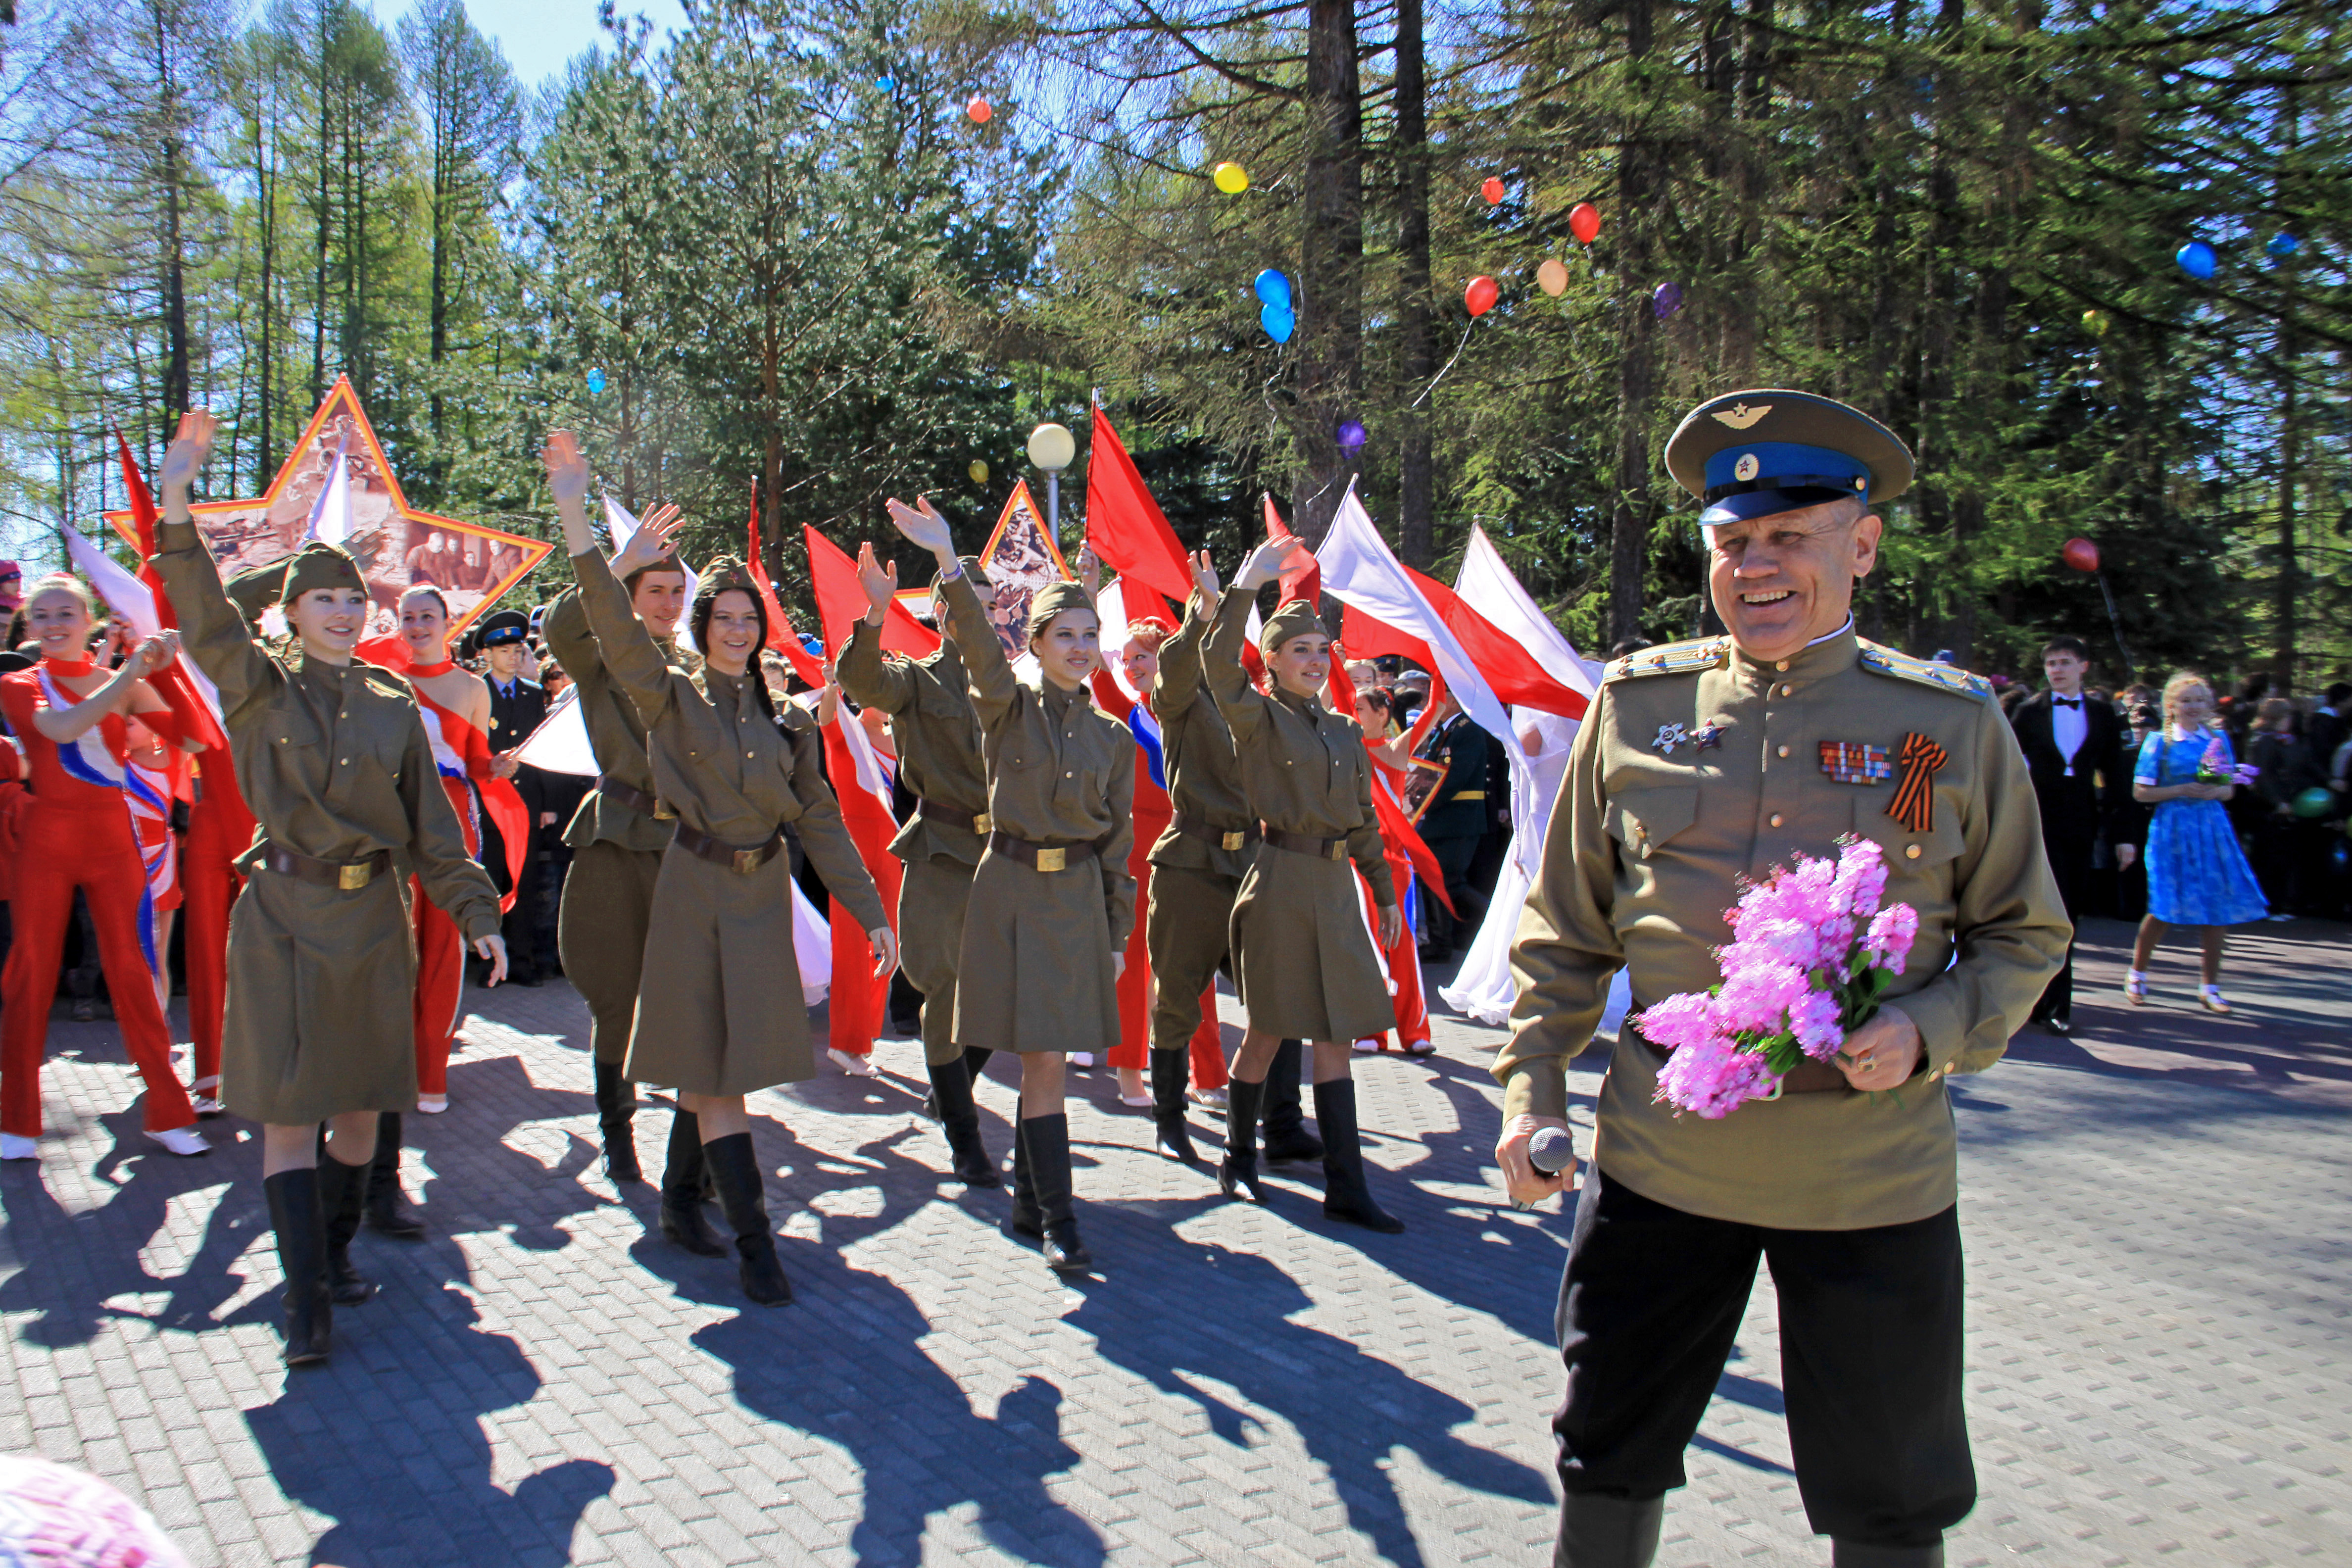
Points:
(698, 618)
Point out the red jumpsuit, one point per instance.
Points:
(76, 834)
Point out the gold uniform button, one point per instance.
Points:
(347, 762)
(1910, 852)
(747, 754)
(1070, 775)
(1784, 751)
(1785, 689)
(1776, 819)
(1782, 665)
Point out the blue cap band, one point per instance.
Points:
(1812, 468)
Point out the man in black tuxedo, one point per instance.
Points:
(2074, 750)
(517, 706)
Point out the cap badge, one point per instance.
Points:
(1669, 737)
(1740, 417)
(1747, 468)
(1849, 762)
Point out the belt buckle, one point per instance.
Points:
(1339, 849)
(1232, 840)
(982, 824)
(1054, 859)
(351, 878)
(748, 860)
(662, 812)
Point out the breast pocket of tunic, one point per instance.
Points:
(1908, 853)
(1645, 821)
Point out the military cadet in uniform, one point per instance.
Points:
(1044, 935)
(517, 706)
(339, 774)
(1459, 816)
(937, 733)
(1700, 763)
(617, 837)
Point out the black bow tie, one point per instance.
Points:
(2067, 702)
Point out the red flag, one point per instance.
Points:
(199, 719)
(1398, 831)
(1507, 666)
(779, 626)
(1298, 582)
(840, 602)
(860, 1000)
(1125, 525)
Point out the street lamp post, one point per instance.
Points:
(1052, 448)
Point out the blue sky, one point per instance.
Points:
(540, 35)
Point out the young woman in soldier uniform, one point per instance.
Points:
(718, 948)
(1051, 903)
(1304, 965)
(339, 774)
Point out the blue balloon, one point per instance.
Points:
(595, 384)
(1274, 289)
(884, 84)
(2283, 244)
(1279, 321)
(2197, 259)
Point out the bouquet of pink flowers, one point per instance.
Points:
(1810, 954)
(2216, 768)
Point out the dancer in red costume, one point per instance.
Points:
(77, 832)
(1391, 757)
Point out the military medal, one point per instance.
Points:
(1708, 737)
(1850, 762)
(1669, 737)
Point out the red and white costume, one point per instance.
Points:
(78, 831)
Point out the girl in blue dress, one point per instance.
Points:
(2197, 875)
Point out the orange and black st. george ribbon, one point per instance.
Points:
(1915, 798)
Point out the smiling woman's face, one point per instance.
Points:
(330, 621)
(60, 622)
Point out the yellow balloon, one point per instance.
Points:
(1231, 178)
(1552, 278)
(2096, 323)
(978, 471)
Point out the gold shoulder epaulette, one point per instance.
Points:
(1673, 658)
(1926, 671)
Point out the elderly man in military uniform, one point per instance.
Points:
(1701, 763)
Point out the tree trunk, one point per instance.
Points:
(2286, 598)
(1416, 478)
(1640, 184)
(1331, 264)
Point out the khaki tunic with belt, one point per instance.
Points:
(721, 1010)
(1305, 966)
(608, 894)
(937, 738)
(1198, 864)
(335, 763)
(1035, 970)
(1646, 848)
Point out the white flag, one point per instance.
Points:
(331, 514)
(1488, 585)
(560, 744)
(625, 528)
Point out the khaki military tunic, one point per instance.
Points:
(1645, 854)
(937, 734)
(608, 894)
(1304, 966)
(1034, 974)
(1187, 931)
(721, 1010)
(335, 763)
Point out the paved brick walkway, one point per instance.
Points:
(2157, 1212)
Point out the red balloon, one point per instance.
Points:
(979, 110)
(1481, 295)
(2082, 555)
(1492, 191)
(1584, 222)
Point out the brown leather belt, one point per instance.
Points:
(742, 862)
(936, 811)
(636, 799)
(1808, 1077)
(1307, 844)
(349, 876)
(1223, 838)
(1043, 856)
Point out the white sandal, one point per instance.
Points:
(2212, 997)
(2136, 987)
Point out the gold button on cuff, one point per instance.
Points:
(1785, 689)
(1910, 852)
(1782, 665)
(1776, 819)
(1784, 751)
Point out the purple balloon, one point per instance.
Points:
(1351, 436)
(1667, 300)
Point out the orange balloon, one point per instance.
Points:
(979, 110)
(1584, 222)
(1552, 277)
(1492, 191)
(1481, 295)
(2082, 555)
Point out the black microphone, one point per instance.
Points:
(1551, 1150)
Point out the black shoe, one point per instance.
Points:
(1237, 1172)
(1175, 1141)
(960, 1118)
(302, 1230)
(616, 1110)
(1602, 1532)
(1026, 1222)
(1345, 1196)
(1286, 1138)
(342, 1193)
(1854, 1554)
(682, 1219)
(1047, 1139)
(742, 1193)
(388, 1213)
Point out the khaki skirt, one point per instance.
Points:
(1035, 973)
(319, 1019)
(1302, 963)
(719, 1008)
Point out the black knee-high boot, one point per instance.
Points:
(1238, 1169)
(960, 1118)
(616, 1110)
(975, 1060)
(303, 1254)
(1047, 1139)
(1601, 1531)
(342, 1193)
(682, 1219)
(1168, 1070)
(1027, 1221)
(743, 1196)
(1286, 1138)
(1345, 1196)
(388, 1213)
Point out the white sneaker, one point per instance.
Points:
(207, 1105)
(856, 1066)
(1082, 1058)
(185, 1142)
(1135, 1101)
(1365, 1047)
(432, 1104)
(15, 1147)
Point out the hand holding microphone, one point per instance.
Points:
(1538, 1158)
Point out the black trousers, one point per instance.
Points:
(1453, 857)
(2070, 865)
(1870, 1358)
